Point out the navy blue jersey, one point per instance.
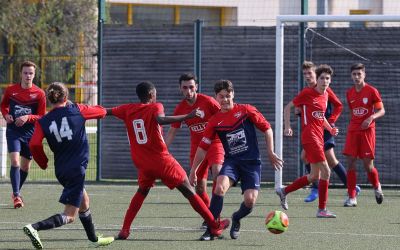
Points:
(64, 130)
(236, 130)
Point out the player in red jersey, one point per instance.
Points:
(151, 157)
(235, 126)
(332, 113)
(366, 105)
(22, 104)
(313, 104)
(208, 106)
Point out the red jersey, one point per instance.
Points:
(208, 106)
(18, 101)
(313, 106)
(361, 105)
(145, 134)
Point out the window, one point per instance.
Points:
(151, 15)
(210, 16)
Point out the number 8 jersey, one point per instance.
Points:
(145, 134)
(64, 130)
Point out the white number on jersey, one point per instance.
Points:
(140, 131)
(64, 132)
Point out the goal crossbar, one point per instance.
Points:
(280, 24)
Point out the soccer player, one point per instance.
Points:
(313, 104)
(208, 107)
(235, 126)
(22, 104)
(332, 113)
(366, 106)
(151, 157)
(64, 129)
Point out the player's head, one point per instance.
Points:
(358, 73)
(324, 74)
(27, 70)
(57, 92)
(309, 76)
(188, 86)
(146, 91)
(224, 94)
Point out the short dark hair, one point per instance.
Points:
(143, 90)
(323, 68)
(357, 66)
(56, 92)
(187, 77)
(27, 64)
(223, 85)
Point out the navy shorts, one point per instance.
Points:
(329, 140)
(247, 172)
(72, 193)
(19, 144)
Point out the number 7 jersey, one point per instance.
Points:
(145, 134)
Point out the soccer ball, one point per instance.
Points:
(277, 222)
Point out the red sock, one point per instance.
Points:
(205, 198)
(351, 182)
(322, 193)
(373, 177)
(134, 206)
(198, 205)
(297, 184)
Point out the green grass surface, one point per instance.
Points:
(166, 221)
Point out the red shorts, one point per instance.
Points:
(215, 155)
(168, 170)
(314, 152)
(360, 144)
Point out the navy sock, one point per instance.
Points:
(216, 205)
(15, 180)
(314, 185)
(54, 221)
(86, 219)
(341, 173)
(242, 212)
(23, 176)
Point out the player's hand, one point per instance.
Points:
(193, 178)
(277, 163)
(20, 121)
(365, 124)
(9, 119)
(334, 131)
(196, 113)
(288, 132)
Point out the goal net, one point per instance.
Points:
(341, 41)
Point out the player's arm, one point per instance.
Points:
(198, 159)
(379, 112)
(275, 160)
(337, 104)
(5, 107)
(333, 130)
(36, 147)
(286, 117)
(171, 135)
(162, 119)
(92, 112)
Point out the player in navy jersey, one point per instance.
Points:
(23, 103)
(235, 126)
(64, 129)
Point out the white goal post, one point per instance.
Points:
(280, 25)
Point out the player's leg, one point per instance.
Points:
(314, 185)
(134, 207)
(26, 160)
(373, 178)
(351, 149)
(15, 178)
(323, 185)
(201, 187)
